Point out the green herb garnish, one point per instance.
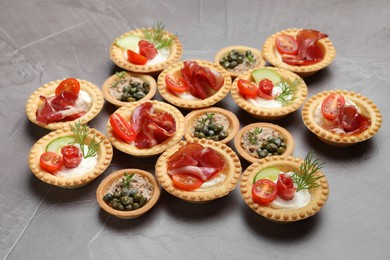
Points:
(250, 57)
(306, 177)
(156, 36)
(208, 118)
(81, 132)
(120, 75)
(288, 91)
(252, 135)
(126, 180)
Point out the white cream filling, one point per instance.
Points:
(215, 181)
(185, 95)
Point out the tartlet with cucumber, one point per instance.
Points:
(269, 93)
(146, 50)
(70, 157)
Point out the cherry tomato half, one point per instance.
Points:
(136, 58)
(122, 128)
(247, 88)
(264, 191)
(147, 49)
(51, 162)
(265, 89)
(176, 84)
(71, 155)
(286, 44)
(68, 85)
(332, 105)
(186, 181)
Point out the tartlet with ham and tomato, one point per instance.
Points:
(341, 118)
(198, 170)
(269, 93)
(58, 103)
(303, 51)
(145, 128)
(194, 84)
(147, 50)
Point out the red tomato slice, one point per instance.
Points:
(68, 85)
(264, 191)
(265, 89)
(136, 58)
(186, 181)
(122, 128)
(176, 84)
(51, 162)
(286, 44)
(285, 186)
(332, 105)
(247, 88)
(147, 49)
(71, 155)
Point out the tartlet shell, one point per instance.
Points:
(105, 154)
(193, 104)
(282, 131)
(325, 44)
(223, 52)
(191, 117)
(270, 114)
(233, 168)
(113, 177)
(48, 89)
(116, 54)
(319, 195)
(126, 112)
(146, 78)
(367, 107)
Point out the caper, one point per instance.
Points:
(281, 150)
(271, 139)
(218, 128)
(130, 99)
(215, 138)
(196, 134)
(117, 194)
(126, 200)
(283, 144)
(133, 90)
(136, 206)
(115, 205)
(233, 64)
(272, 147)
(108, 197)
(137, 197)
(201, 135)
(264, 145)
(132, 191)
(277, 142)
(211, 126)
(240, 59)
(126, 89)
(226, 64)
(223, 134)
(146, 85)
(129, 207)
(125, 96)
(248, 53)
(121, 207)
(115, 200)
(198, 128)
(211, 133)
(262, 153)
(135, 84)
(139, 95)
(142, 202)
(125, 192)
(281, 138)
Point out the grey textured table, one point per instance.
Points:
(42, 41)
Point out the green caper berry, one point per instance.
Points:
(233, 64)
(115, 205)
(271, 139)
(139, 95)
(117, 194)
(130, 99)
(262, 154)
(129, 207)
(240, 59)
(223, 134)
(218, 128)
(121, 207)
(136, 206)
(248, 53)
(215, 138)
(126, 89)
(146, 85)
(133, 90)
(125, 96)
(211, 126)
(108, 197)
(196, 134)
(281, 138)
(272, 148)
(135, 84)
(211, 133)
(132, 191)
(226, 64)
(281, 150)
(222, 61)
(264, 145)
(283, 144)
(125, 191)
(126, 200)
(137, 197)
(201, 135)
(198, 128)
(277, 142)
(115, 200)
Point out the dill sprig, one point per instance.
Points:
(252, 135)
(208, 118)
(156, 36)
(306, 177)
(126, 180)
(81, 132)
(120, 75)
(288, 91)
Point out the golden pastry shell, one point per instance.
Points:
(117, 56)
(127, 111)
(269, 53)
(193, 104)
(270, 114)
(225, 51)
(110, 81)
(282, 131)
(367, 107)
(105, 154)
(194, 115)
(233, 173)
(319, 195)
(112, 178)
(48, 89)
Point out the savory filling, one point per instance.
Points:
(130, 192)
(214, 126)
(340, 116)
(196, 168)
(128, 88)
(239, 62)
(300, 50)
(194, 82)
(263, 142)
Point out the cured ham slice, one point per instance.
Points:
(194, 159)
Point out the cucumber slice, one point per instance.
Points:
(270, 173)
(261, 74)
(58, 143)
(129, 42)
